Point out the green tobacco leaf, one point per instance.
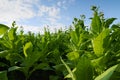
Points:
(74, 37)
(116, 73)
(108, 22)
(99, 64)
(3, 28)
(11, 33)
(73, 55)
(99, 41)
(59, 67)
(84, 69)
(14, 58)
(81, 38)
(107, 74)
(30, 60)
(13, 68)
(28, 47)
(96, 24)
(3, 75)
(115, 27)
(68, 69)
(6, 42)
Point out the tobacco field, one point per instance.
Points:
(79, 53)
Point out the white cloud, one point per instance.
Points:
(17, 10)
(11, 10)
(52, 12)
(64, 3)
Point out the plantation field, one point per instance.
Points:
(79, 53)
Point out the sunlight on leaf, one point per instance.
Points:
(3, 29)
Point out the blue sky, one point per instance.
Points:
(34, 15)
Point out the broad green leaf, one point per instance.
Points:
(107, 74)
(99, 41)
(68, 69)
(81, 38)
(108, 22)
(99, 64)
(84, 69)
(3, 75)
(74, 37)
(96, 24)
(73, 55)
(28, 47)
(13, 68)
(59, 67)
(14, 58)
(11, 33)
(116, 73)
(30, 60)
(6, 43)
(3, 28)
(115, 27)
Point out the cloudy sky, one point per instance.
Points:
(33, 15)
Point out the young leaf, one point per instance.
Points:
(108, 22)
(73, 55)
(99, 41)
(30, 60)
(107, 74)
(3, 28)
(11, 33)
(96, 24)
(74, 37)
(13, 68)
(26, 47)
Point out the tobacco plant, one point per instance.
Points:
(79, 53)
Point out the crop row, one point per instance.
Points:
(79, 53)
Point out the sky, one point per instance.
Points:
(34, 15)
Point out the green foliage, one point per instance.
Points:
(96, 27)
(99, 41)
(84, 69)
(79, 53)
(27, 48)
(69, 70)
(3, 75)
(107, 74)
(3, 29)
